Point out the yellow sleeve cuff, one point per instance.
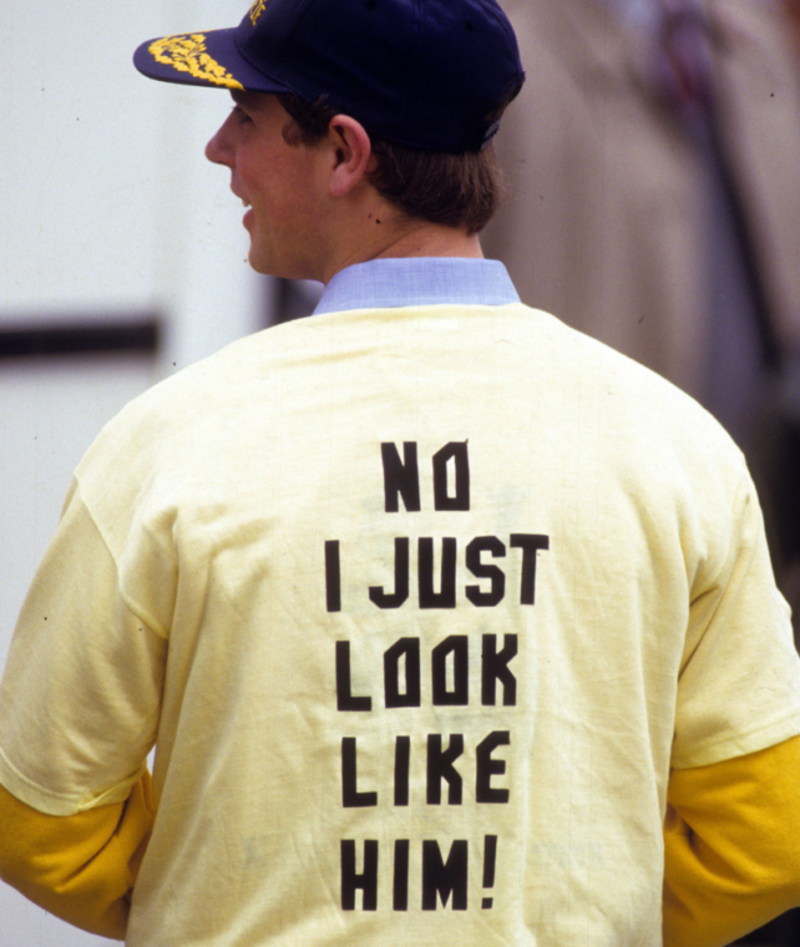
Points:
(80, 867)
(732, 846)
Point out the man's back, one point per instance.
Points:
(426, 630)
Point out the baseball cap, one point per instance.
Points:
(427, 74)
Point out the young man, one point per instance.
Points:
(449, 625)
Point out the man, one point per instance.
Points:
(436, 611)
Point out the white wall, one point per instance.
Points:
(107, 206)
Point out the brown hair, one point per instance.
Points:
(462, 190)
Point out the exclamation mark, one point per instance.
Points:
(489, 861)
(333, 576)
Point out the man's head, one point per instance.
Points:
(425, 80)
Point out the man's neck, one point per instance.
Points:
(391, 236)
(434, 240)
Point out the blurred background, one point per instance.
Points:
(654, 203)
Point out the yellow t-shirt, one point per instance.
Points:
(419, 607)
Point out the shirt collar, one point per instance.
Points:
(418, 281)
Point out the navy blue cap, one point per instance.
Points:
(428, 74)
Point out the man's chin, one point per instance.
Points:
(283, 269)
(259, 266)
(264, 263)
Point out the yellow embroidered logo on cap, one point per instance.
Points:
(256, 10)
(188, 54)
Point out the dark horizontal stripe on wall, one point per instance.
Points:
(69, 337)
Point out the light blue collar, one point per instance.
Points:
(418, 281)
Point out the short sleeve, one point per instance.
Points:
(81, 691)
(739, 686)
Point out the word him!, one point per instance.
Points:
(442, 879)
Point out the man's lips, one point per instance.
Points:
(241, 197)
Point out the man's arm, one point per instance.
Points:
(732, 846)
(81, 867)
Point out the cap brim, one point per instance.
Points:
(209, 59)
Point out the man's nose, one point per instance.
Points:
(219, 148)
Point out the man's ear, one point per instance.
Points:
(351, 150)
